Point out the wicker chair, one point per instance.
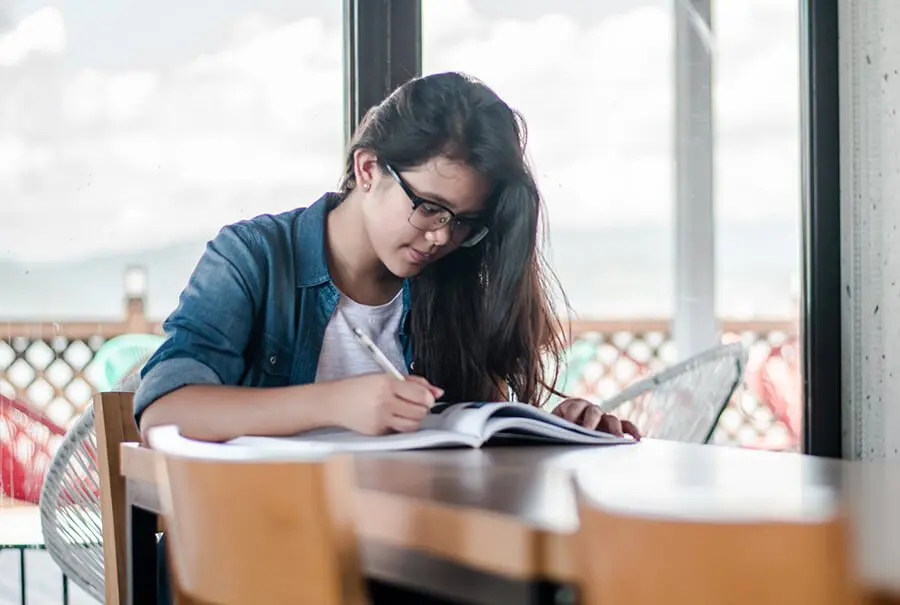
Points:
(683, 402)
(70, 498)
(70, 508)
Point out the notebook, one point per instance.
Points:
(472, 425)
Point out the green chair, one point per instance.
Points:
(119, 357)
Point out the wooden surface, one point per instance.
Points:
(286, 536)
(736, 556)
(114, 424)
(512, 511)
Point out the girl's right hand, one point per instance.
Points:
(376, 404)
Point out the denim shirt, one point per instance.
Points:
(254, 310)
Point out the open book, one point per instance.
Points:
(455, 425)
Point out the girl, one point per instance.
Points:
(430, 246)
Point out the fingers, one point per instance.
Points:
(403, 425)
(592, 417)
(631, 429)
(415, 396)
(610, 424)
(435, 391)
(572, 409)
(410, 411)
(414, 392)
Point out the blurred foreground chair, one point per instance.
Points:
(691, 547)
(246, 527)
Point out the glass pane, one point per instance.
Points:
(596, 83)
(130, 133)
(757, 100)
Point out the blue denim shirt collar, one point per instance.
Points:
(309, 228)
(311, 259)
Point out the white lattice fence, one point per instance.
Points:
(762, 413)
(53, 376)
(56, 375)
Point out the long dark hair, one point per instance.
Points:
(481, 317)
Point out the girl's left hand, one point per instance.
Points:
(590, 416)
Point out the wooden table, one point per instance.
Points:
(493, 525)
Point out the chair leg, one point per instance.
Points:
(65, 589)
(22, 574)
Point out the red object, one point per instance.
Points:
(777, 381)
(28, 441)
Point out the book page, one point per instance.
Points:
(482, 420)
(348, 441)
(468, 418)
(529, 428)
(521, 411)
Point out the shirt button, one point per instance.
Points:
(272, 360)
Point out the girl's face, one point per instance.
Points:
(417, 216)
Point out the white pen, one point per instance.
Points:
(380, 358)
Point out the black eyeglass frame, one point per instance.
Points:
(478, 229)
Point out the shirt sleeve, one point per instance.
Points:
(209, 330)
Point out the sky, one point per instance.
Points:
(127, 125)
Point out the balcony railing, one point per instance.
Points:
(51, 368)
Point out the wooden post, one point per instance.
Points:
(135, 282)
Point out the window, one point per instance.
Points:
(597, 84)
(129, 134)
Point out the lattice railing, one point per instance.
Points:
(51, 375)
(50, 367)
(764, 412)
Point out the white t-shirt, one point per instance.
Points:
(344, 356)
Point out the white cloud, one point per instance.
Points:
(598, 100)
(128, 93)
(18, 157)
(41, 32)
(93, 96)
(140, 158)
(128, 159)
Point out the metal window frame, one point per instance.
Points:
(821, 223)
(694, 322)
(382, 50)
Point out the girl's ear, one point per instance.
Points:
(365, 169)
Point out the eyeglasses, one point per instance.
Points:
(431, 216)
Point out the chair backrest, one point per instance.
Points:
(114, 425)
(71, 521)
(244, 528)
(683, 402)
(626, 554)
(28, 440)
(122, 356)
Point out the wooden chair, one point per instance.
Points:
(248, 528)
(684, 549)
(114, 425)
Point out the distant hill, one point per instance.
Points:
(611, 272)
(93, 288)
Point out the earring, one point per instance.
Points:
(366, 186)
